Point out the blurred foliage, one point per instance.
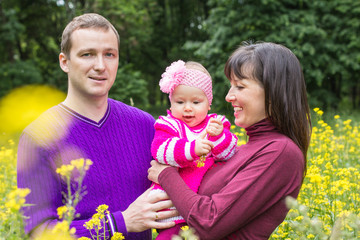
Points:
(323, 35)
(129, 87)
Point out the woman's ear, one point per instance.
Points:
(64, 61)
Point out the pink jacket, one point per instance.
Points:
(174, 144)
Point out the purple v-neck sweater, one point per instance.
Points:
(119, 147)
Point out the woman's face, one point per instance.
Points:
(247, 97)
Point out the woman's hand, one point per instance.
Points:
(155, 170)
(143, 213)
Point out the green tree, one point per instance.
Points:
(322, 35)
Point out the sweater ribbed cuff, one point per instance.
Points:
(118, 223)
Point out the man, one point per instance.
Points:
(115, 136)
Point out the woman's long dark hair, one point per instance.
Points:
(278, 70)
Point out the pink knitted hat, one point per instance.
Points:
(177, 74)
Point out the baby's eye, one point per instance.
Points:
(179, 102)
(196, 102)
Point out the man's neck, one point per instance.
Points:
(93, 109)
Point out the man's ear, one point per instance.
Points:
(64, 61)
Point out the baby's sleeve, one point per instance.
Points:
(225, 143)
(169, 148)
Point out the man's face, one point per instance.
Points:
(92, 64)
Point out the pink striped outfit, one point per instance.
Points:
(174, 144)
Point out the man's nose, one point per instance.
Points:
(99, 63)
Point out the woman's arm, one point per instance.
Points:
(261, 183)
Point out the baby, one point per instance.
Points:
(188, 137)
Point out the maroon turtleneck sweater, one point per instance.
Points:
(243, 198)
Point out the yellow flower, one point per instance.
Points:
(84, 238)
(81, 163)
(102, 209)
(185, 228)
(117, 236)
(93, 223)
(310, 236)
(78, 163)
(61, 211)
(60, 231)
(65, 170)
(16, 199)
(336, 117)
(16, 113)
(62, 226)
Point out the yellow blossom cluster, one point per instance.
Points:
(16, 199)
(61, 231)
(98, 222)
(11, 198)
(331, 189)
(186, 233)
(80, 164)
(240, 133)
(24, 104)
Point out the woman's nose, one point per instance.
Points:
(230, 96)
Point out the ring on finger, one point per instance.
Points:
(156, 216)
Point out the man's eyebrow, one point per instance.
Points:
(94, 49)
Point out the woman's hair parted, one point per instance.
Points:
(278, 70)
(88, 20)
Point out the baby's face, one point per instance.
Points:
(189, 104)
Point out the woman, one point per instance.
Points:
(244, 198)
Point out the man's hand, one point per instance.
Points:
(202, 145)
(215, 127)
(143, 212)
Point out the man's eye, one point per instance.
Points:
(86, 55)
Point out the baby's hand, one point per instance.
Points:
(215, 127)
(202, 145)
